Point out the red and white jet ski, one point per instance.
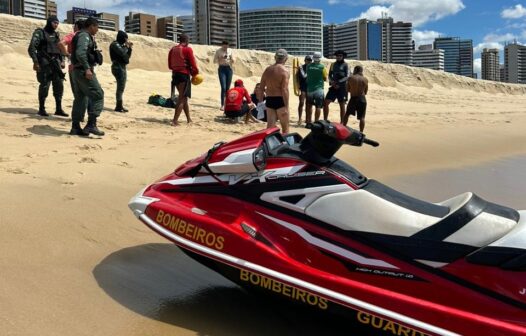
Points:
(283, 214)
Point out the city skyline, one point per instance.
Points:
(488, 24)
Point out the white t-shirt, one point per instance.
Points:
(223, 57)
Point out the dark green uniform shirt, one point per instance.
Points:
(42, 42)
(83, 46)
(119, 53)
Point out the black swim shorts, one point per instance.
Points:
(274, 102)
(357, 106)
(339, 93)
(178, 77)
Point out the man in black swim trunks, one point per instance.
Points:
(357, 85)
(275, 85)
(338, 75)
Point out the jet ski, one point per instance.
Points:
(283, 215)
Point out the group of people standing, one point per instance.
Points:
(49, 53)
(312, 76)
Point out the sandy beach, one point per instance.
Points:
(75, 261)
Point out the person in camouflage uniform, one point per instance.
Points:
(120, 53)
(48, 63)
(84, 57)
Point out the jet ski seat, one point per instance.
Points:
(464, 219)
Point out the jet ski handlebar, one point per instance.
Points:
(326, 138)
(340, 133)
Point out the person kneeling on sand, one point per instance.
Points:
(182, 62)
(275, 84)
(238, 103)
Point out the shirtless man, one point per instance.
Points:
(275, 85)
(357, 85)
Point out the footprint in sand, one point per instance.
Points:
(124, 164)
(87, 160)
(4, 159)
(20, 135)
(94, 147)
(68, 183)
(68, 198)
(16, 171)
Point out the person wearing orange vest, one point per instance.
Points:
(182, 62)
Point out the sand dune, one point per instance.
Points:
(64, 199)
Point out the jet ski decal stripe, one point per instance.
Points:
(330, 247)
(243, 264)
(405, 201)
(415, 248)
(454, 222)
(499, 210)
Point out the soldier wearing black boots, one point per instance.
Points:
(48, 63)
(84, 57)
(120, 53)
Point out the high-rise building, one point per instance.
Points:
(16, 7)
(458, 55)
(298, 30)
(329, 39)
(169, 28)
(397, 41)
(107, 21)
(36, 9)
(51, 8)
(427, 57)
(515, 63)
(361, 40)
(217, 21)
(188, 26)
(141, 23)
(490, 64)
(5, 6)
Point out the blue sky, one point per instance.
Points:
(490, 23)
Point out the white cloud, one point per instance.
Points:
(490, 45)
(499, 38)
(417, 12)
(424, 37)
(514, 12)
(477, 67)
(333, 2)
(491, 41)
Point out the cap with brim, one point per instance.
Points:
(308, 58)
(281, 53)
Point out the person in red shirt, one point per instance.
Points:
(66, 47)
(238, 103)
(182, 62)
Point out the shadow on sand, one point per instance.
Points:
(46, 130)
(31, 112)
(160, 282)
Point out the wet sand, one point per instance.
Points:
(502, 181)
